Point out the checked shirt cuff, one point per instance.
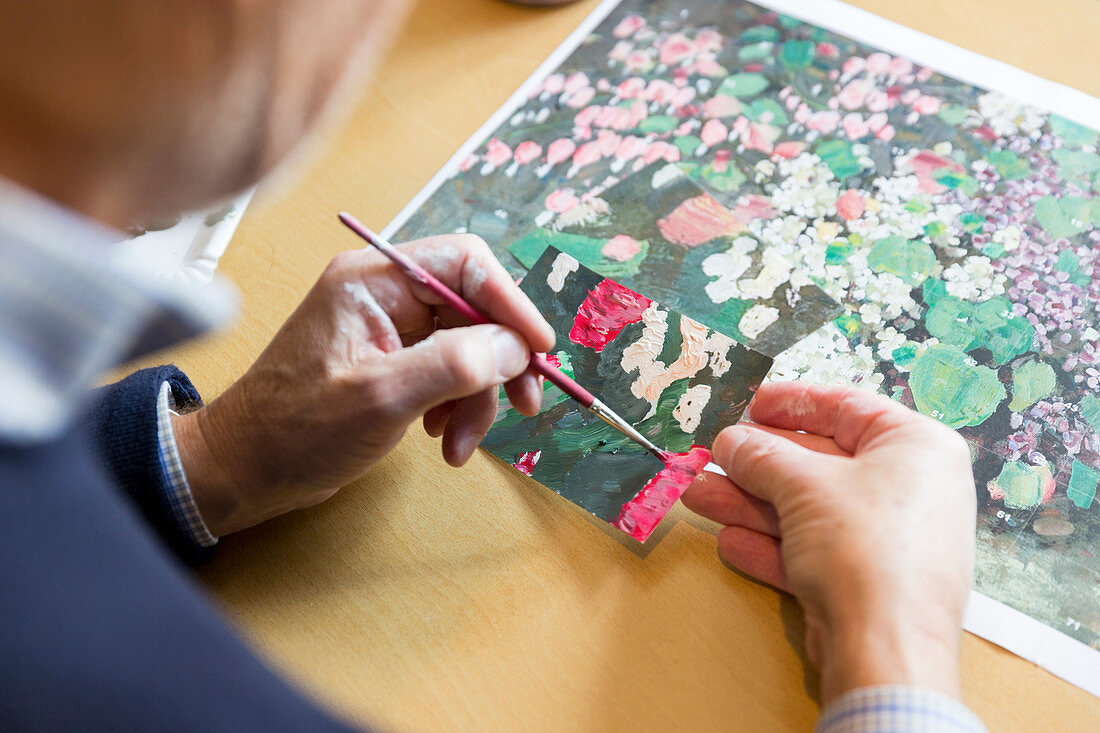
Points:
(180, 499)
(897, 709)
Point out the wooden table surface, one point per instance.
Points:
(424, 597)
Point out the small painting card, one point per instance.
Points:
(674, 379)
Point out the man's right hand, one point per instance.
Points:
(865, 511)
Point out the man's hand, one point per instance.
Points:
(352, 367)
(867, 517)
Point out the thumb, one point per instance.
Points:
(453, 363)
(767, 465)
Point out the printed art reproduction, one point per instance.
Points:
(677, 381)
(863, 218)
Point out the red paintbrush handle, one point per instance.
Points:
(453, 299)
(558, 378)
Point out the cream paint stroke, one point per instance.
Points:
(729, 266)
(697, 349)
(689, 410)
(563, 266)
(756, 319)
(718, 346)
(586, 212)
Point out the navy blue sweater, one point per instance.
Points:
(101, 627)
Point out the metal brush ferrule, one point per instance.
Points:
(609, 416)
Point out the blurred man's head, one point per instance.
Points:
(127, 109)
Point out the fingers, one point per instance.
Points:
(849, 416)
(716, 498)
(449, 365)
(768, 466)
(525, 393)
(816, 443)
(467, 425)
(465, 264)
(435, 419)
(753, 553)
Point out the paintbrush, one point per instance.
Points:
(539, 362)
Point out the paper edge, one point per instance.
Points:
(1031, 639)
(1013, 630)
(210, 243)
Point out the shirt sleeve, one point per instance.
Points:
(178, 492)
(130, 433)
(897, 709)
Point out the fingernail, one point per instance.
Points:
(727, 443)
(509, 353)
(553, 336)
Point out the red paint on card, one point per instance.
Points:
(608, 307)
(640, 516)
(699, 220)
(527, 461)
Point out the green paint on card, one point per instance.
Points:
(797, 54)
(1023, 485)
(1031, 382)
(972, 222)
(1004, 334)
(729, 179)
(990, 324)
(658, 123)
(953, 179)
(949, 320)
(935, 229)
(949, 386)
(1082, 485)
(766, 110)
(759, 33)
(745, 84)
(730, 313)
(528, 249)
(755, 51)
(789, 22)
(909, 259)
(587, 250)
(933, 291)
(993, 250)
(952, 114)
(849, 324)
(918, 206)
(1009, 164)
(903, 355)
(691, 168)
(574, 433)
(1071, 132)
(665, 432)
(837, 252)
(687, 144)
(1075, 164)
(838, 155)
(565, 362)
(1063, 217)
(1068, 262)
(1089, 407)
